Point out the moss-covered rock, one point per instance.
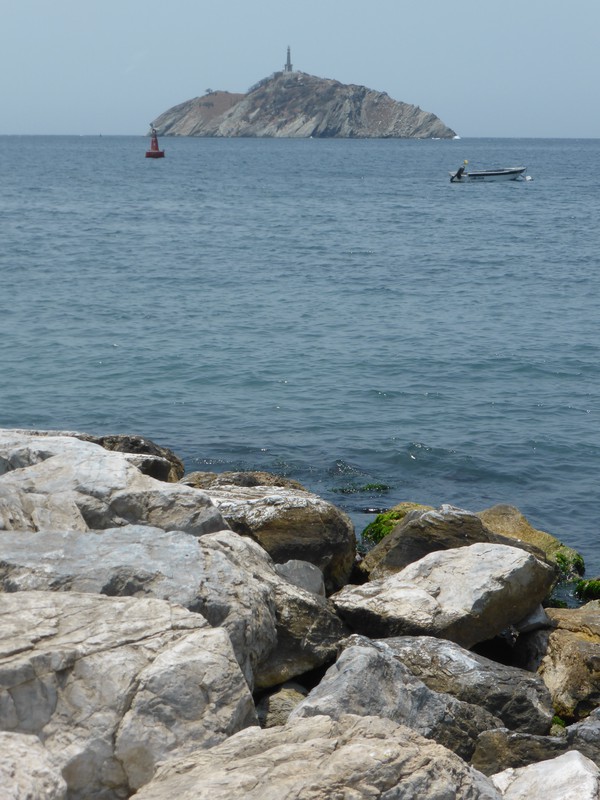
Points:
(508, 521)
(588, 590)
(353, 488)
(425, 530)
(384, 523)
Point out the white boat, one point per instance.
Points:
(506, 174)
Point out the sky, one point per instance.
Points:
(507, 68)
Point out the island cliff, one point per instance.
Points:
(298, 105)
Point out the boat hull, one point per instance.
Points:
(489, 175)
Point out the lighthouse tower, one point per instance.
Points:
(288, 64)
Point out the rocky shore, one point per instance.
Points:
(218, 636)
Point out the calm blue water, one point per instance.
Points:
(335, 311)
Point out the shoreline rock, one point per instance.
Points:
(518, 697)
(566, 654)
(319, 758)
(277, 629)
(291, 524)
(467, 594)
(113, 685)
(136, 623)
(424, 531)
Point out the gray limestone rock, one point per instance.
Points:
(277, 629)
(468, 595)
(111, 686)
(63, 483)
(367, 679)
(152, 459)
(27, 770)
(497, 750)
(517, 697)
(308, 629)
(303, 574)
(568, 777)
(320, 758)
(291, 524)
(585, 736)
(501, 749)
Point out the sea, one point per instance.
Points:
(335, 311)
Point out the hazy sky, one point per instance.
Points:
(485, 67)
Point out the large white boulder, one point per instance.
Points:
(111, 686)
(467, 594)
(277, 629)
(321, 759)
(63, 483)
(567, 777)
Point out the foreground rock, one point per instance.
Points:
(423, 531)
(568, 777)
(367, 680)
(113, 685)
(117, 668)
(277, 630)
(297, 105)
(307, 628)
(321, 759)
(468, 595)
(303, 574)
(27, 770)
(517, 697)
(291, 524)
(59, 482)
(567, 656)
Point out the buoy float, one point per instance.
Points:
(154, 151)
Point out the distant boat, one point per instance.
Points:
(154, 151)
(506, 174)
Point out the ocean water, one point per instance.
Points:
(334, 311)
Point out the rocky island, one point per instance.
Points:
(297, 105)
(211, 637)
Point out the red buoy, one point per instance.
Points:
(154, 151)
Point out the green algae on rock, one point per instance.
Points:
(384, 523)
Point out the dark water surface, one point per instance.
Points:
(335, 311)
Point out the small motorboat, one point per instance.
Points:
(155, 151)
(507, 174)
